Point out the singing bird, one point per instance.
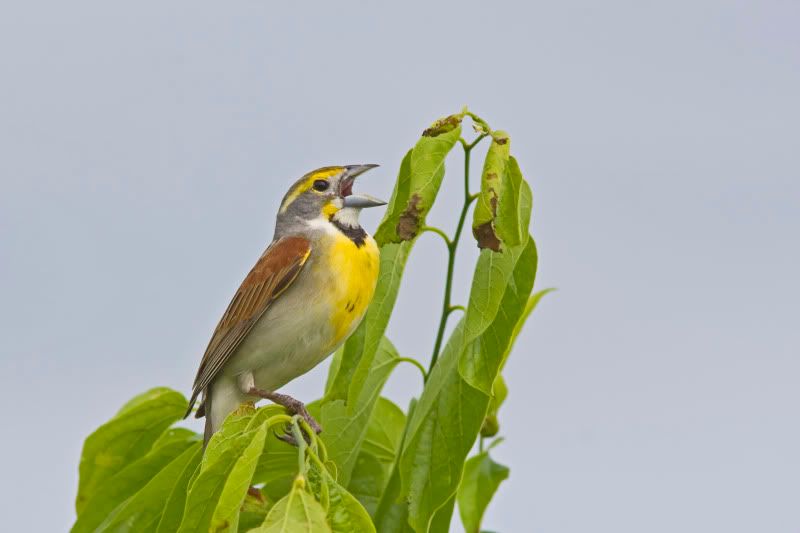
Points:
(305, 295)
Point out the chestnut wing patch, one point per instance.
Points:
(274, 272)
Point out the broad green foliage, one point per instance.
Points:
(384, 431)
(375, 466)
(112, 494)
(481, 479)
(451, 410)
(297, 511)
(346, 425)
(144, 510)
(126, 438)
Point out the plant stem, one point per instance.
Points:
(433, 229)
(301, 445)
(452, 246)
(416, 364)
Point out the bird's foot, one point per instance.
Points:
(295, 407)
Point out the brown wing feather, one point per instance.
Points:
(274, 272)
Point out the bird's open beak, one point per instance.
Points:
(359, 201)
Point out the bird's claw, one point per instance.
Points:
(289, 437)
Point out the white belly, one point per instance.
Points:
(292, 337)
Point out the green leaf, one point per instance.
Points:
(345, 513)
(296, 512)
(449, 414)
(492, 274)
(148, 396)
(482, 476)
(219, 489)
(491, 424)
(116, 490)
(144, 509)
(177, 435)
(125, 438)
(384, 431)
(232, 429)
(226, 514)
(443, 515)
(367, 481)
(276, 468)
(254, 512)
(514, 210)
(387, 230)
(176, 501)
(378, 453)
(492, 192)
(345, 426)
(533, 301)
(486, 354)
(418, 182)
(391, 515)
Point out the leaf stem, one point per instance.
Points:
(452, 246)
(437, 231)
(416, 364)
(301, 445)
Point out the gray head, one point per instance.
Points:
(321, 196)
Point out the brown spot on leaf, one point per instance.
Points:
(486, 237)
(443, 125)
(255, 492)
(408, 225)
(493, 203)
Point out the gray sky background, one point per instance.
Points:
(146, 145)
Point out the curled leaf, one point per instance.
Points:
(492, 183)
(444, 125)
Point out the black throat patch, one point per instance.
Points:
(355, 234)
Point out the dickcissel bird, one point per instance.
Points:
(305, 295)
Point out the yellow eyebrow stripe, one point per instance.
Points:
(305, 183)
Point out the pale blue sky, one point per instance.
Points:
(146, 145)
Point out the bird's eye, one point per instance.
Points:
(321, 185)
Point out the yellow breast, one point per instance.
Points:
(354, 273)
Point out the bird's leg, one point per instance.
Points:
(247, 385)
(296, 407)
